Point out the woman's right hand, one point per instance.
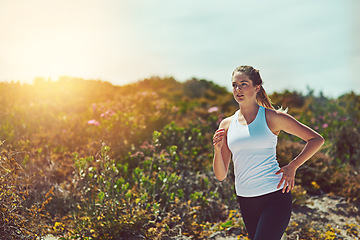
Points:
(218, 138)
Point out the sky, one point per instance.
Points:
(296, 45)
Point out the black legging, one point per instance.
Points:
(266, 217)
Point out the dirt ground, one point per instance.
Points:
(320, 213)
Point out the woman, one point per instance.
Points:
(250, 137)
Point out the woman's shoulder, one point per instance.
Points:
(225, 123)
(272, 114)
(277, 119)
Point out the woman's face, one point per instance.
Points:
(243, 88)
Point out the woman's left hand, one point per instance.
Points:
(288, 177)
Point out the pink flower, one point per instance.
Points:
(220, 118)
(175, 109)
(213, 109)
(93, 122)
(325, 125)
(107, 114)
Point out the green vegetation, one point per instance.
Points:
(89, 160)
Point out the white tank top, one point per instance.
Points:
(253, 148)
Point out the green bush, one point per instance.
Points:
(137, 160)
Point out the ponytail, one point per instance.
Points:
(263, 99)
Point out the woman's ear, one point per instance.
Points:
(257, 88)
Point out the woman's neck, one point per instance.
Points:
(248, 109)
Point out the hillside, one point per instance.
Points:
(84, 159)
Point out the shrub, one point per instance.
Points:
(16, 220)
(157, 180)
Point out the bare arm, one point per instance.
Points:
(222, 154)
(282, 121)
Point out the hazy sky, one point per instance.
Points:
(294, 44)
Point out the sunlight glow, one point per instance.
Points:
(53, 58)
(126, 41)
(53, 39)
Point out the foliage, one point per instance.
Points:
(16, 220)
(97, 161)
(160, 192)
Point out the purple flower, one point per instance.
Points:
(213, 109)
(325, 125)
(93, 122)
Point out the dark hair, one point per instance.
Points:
(261, 97)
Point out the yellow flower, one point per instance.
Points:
(58, 226)
(315, 185)
(329, 235)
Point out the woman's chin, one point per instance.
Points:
(239, 99)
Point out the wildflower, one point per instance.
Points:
(175, 109)
(325, 125)
(213, 109)
(107, 114)
(58, 226)
(93, 122)
(315, 185)
(330, 235)
(220, 118)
